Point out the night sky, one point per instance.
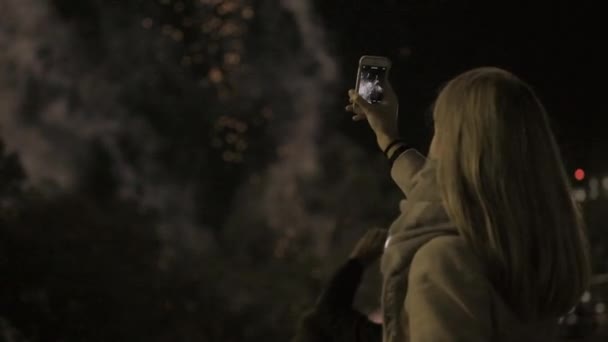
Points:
(555, 46)
(179, 170)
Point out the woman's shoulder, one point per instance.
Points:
(445, 246)
(449, 253)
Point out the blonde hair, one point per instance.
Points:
(504, 185)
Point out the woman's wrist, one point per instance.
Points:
(384, 140)
(393, 147)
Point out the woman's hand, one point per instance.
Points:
(382, 117)
(370, 246)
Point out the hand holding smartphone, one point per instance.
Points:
(373, 98)
(371, 78)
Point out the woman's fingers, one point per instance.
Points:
(359, 115)
(361, 107)
(360, 102)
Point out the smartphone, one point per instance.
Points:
(372, 72)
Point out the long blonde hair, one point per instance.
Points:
(504, 185)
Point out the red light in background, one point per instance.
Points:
(579, 174)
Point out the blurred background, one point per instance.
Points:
(184, 170)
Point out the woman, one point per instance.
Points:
(490, 246)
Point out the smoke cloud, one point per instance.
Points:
(54, 102)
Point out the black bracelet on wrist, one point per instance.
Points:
(393, 143)
(399, 151)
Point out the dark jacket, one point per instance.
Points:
(333, 318)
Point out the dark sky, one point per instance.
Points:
(555, 46)
(170, 193)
